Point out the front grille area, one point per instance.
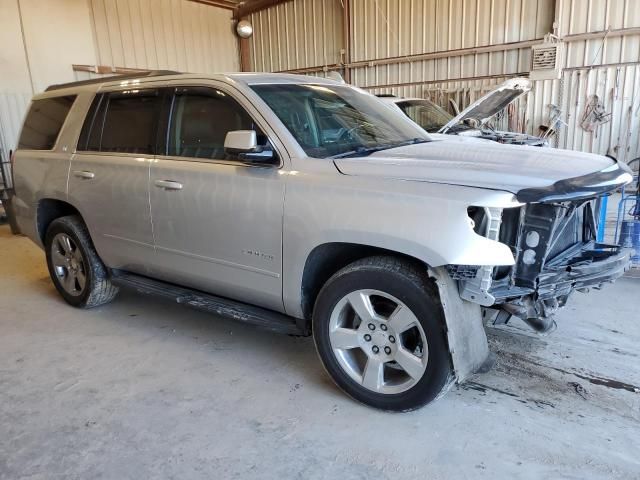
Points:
(568, 231)
(546, 232)
(555, 251)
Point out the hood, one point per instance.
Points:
(492, 103)
(476, 163)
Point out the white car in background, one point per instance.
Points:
(474, 121)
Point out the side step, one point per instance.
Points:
(260, 317)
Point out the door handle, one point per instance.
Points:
(84, 174)
(168, 184)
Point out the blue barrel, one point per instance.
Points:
(630, 238)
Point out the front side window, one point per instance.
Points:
(427, 114)
(44, 122)
(333, 120)
(200, 121)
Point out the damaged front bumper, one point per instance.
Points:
(588, 265)
(595, 265)
(552, 238)
(591, 267)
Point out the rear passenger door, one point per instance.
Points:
(217, 222)
(109, 175)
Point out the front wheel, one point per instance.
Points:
(379, 330)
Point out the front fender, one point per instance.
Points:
(425, 221)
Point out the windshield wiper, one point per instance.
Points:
(365, 151)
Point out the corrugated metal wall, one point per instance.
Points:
(296, 35)
(395, 28)
(608, 67)
(618, 88)
(308, 33)
(164, 34)
(579, 16)
(392, 29)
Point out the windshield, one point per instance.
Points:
(333, 120)
(425, 113)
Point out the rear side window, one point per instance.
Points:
(122, 122)
(44, 122)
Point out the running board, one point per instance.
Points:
(260, 317)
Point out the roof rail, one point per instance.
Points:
(128, 76)
(385, 95)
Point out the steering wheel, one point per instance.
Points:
(348, 132)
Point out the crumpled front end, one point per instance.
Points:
(553, 240)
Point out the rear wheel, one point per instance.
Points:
(74, 266)
(378, 328)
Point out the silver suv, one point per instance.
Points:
(308, 206)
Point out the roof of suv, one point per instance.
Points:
(247, 78)
(96, 81)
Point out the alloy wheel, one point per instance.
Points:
(378, 341)
(68, 264)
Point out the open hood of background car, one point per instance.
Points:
(492, 103)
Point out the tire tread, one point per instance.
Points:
(101, 290)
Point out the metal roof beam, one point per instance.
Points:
(226, 4)
(253, 6)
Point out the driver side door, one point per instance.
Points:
(217, 222)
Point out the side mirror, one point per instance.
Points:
(243, 145)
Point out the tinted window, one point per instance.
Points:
(92, 129)
(200, 121)
(44, 121)
(130, 122)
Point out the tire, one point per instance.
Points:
(74, 266)
(391, 305)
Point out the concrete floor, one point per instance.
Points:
(143, 388)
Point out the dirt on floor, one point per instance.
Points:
(143, 388)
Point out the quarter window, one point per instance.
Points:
(201, 119)
(44, 122)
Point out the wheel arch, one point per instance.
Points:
(328, 258)
(48, 210)
(464, 330)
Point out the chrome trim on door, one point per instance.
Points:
(219, 261)
(84, 174)
(168, 184)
